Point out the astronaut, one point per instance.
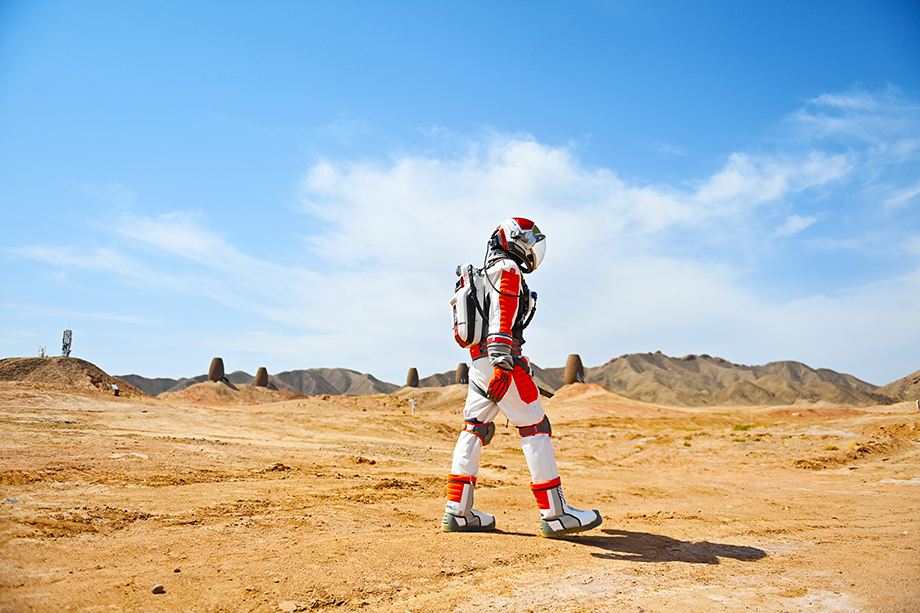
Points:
(500, 380)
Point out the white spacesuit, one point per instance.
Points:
(500, 381)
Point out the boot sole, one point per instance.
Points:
(548, 532)
(449, 524)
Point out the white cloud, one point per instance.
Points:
(182, 234)
(880, 119)
(668, 149)
(853, 101)
(794, 224)
(102, 259)
(747, 180)
(902, 197)
(44, 311)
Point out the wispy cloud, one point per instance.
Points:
(100, 259)
(69, 314)
(902, 197)
(885, 119)
(113, 260)
(668, 149)
(747, 180)
(879, 131)
(181, 234)
(793, 225)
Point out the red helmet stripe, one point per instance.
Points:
(525, 224)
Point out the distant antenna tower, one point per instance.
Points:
(68, 339)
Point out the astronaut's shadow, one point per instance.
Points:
(646, 547)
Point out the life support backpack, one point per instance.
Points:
(469, 312)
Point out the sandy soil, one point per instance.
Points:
(335, 503)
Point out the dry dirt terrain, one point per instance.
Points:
(334, 503)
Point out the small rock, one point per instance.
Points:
(288, 606)
(159, 589)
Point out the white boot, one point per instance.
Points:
(459, 514)
(556, 517)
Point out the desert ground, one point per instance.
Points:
(334, 503)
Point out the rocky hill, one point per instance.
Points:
(907, 388)
(702, 380)
(442, 379)
(61, 371)
(311, 382)
(334, 381)
(223, 393)
(155, 387)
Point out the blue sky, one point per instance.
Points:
(291, 184)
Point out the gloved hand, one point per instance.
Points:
(498, 386)
(524, 362)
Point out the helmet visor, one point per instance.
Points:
(528, 238)
(537, 249)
